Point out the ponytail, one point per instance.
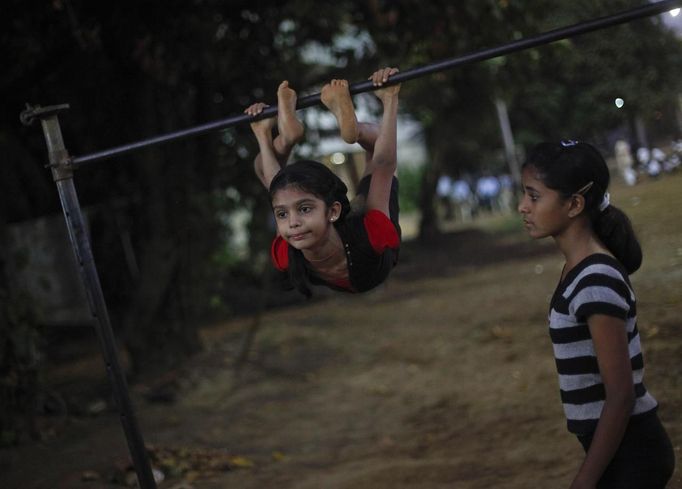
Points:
(614, 229)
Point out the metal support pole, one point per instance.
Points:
(646, 10)
(508, 140)
(62, 172)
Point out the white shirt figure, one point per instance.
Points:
(624, 162)
(643, 155)
(443, 186)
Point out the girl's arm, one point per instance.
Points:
(610, 341)
(266, 165)
(384, 159)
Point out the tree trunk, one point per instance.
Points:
(428, 226)
(156, 334)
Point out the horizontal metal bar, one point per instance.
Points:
(366, 86)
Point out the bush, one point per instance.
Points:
(410, 178)
(21, 361)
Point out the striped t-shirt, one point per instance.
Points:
(597, 285)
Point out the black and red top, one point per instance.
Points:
(371, 242)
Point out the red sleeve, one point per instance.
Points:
(279, 252)
(381, 231)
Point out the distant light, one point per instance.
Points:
(338, 158)
(619, 102)
(675, 12)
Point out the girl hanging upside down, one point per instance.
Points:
(322, 238)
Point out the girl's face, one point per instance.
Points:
(544, 211)
(303, 219)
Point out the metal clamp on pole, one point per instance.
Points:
(62, 172)
(59, 160)
(30, 114)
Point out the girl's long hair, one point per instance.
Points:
(569, 166)
(315, 178)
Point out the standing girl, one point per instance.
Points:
(593, 319)
(324, 239)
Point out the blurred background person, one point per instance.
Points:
(488, 191)
(506, 198)
(443, 188)
(625, 162)
(463, 199)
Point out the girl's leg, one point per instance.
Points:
(368, 134)
(289, 127)
(336, 97)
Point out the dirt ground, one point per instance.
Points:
(444, 377)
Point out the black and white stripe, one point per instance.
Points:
(598, 285)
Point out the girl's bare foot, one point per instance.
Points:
(336, 97)
(289, 127)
